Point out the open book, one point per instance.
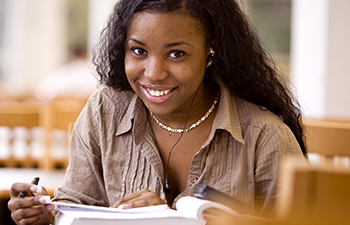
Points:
(189, 212)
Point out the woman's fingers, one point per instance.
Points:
(29, 212)
(29, 209)
(40, 219)
(126, 199)
(134, 204)
(141, 198)
(24, 187)
(16, 188)
(37, 214)
(17, 203)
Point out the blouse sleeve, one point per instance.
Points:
(269, 154)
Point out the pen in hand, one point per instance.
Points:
(24, 193)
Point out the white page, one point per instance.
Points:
(89, 208)
(105, 213)
(194, 207)
(187, 207)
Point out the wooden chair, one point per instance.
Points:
(328, 138)
(58, 115)
(26, 115)
(313, 194)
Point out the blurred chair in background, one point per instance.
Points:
(330, 139)
(19, 115)
(58, 115)
(316, 194)
(37, 133)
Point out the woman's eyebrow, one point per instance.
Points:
(135, 40)
(177, 43)
(167, 45)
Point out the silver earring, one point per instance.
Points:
(210, 57)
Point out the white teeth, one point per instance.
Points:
(157, 93)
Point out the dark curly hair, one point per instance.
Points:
(240, 61)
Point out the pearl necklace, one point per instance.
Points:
(201, 120)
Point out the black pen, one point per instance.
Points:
(24, 193)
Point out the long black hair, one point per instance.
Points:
(240, 61)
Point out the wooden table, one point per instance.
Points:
(48, 179)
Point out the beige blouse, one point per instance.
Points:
(113, 153)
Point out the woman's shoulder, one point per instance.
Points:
(258, 116)
(106, 107)
(110, 99)
(267, 127)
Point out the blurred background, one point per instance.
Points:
(308, 38)
(38, 36)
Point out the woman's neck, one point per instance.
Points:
(202, 102)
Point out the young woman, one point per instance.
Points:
(189, 97)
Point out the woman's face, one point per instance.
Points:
(165, 60)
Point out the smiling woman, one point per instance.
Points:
(190, 97)
(165, 65)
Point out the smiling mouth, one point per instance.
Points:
(157, 93)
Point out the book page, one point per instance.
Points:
(89, 208)
(194, 207)
(151, 213)
(190, 208)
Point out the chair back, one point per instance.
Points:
(49, 117)
(313, 194)
(328, 138)
(58, 115)
(24, 115)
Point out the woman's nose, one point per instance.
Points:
(155, 69)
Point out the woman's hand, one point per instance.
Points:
(138, 199)
(30, 209)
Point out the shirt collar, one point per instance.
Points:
(226, 117)
(128, 118)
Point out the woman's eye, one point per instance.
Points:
(176, 54)
(138, 51)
